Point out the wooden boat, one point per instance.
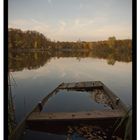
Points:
(44, 121)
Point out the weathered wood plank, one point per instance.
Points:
(97, 83)
(22, 125)
(36, 115)
(117, 103)
(71, 85)
(45, 99)
(63, 86)
(94, 115)
(89, 84)
(81, 85)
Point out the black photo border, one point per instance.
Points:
(134, 69)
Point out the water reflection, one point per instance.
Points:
(36, 76)
(34, 60)
(73, 100)
(33, 85)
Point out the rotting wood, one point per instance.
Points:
(22, 125)
(71, 85)
(54, 92)
(71, 116)
(119, 109)
(89, 84)
(81, 85)
(117, 104)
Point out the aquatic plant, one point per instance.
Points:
(127, 121)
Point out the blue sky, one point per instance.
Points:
(71, 20)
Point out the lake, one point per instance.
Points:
(36, 74)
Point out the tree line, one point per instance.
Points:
(28, 40)
(18, 39)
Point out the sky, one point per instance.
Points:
(72, 20)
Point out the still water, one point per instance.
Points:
(72, 101)
(37, 74)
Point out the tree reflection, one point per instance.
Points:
(34, 60)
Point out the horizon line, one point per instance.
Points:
(80, 40)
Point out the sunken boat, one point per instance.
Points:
(67, 122)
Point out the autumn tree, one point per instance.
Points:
(111, 41)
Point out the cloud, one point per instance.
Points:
(18, 22)
(73, 29)
(31, 24)
(81, 6)
(63, 23)
(119, 30)
(50, 1)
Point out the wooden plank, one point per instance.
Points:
(22, 125)
(63, 86)
(63, 116)
(36, 115)
(89, 84)
(117, 103)
(81, 85)
(67, 85)
(71, 85)
(97, 83)
(45, 99)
